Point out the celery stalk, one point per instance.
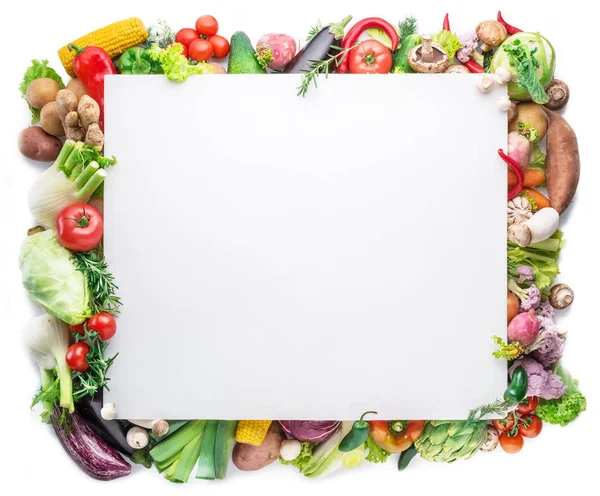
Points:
(175, 443)
(206, 461)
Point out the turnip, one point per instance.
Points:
(524, 328)
(519, 149)
(275, 50)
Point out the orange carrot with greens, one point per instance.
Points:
(540, 200)
(533, 178)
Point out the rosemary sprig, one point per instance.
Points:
(499, 407)
(322, 67)
(95, 377)
(100, 281)
(314, 30)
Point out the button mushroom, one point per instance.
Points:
(558, 95)
(429, 57)
(561, 296)
(491, 34)
(456, 69)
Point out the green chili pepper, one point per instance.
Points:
(405, 458)
(357, 436)
(517, 390)
(138, 61)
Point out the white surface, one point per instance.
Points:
(561, 461)
(299, 234)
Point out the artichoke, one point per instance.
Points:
(449, 440)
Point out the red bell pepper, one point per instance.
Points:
(509, 29)
(516, 168)
(352, 36)
(396, 435)
(91, 64)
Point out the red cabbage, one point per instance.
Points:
(313, 431)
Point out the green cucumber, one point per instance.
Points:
(206, 462)
(400, 63)
(224, 441)
(242, 56)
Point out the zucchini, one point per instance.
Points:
(206, 462)
(224, 441)
(400, 63)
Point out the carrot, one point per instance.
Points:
(533, 177)
(540, 200)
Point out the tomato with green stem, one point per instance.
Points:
(531, 426)
(79, 227)
(511, 444)
(528, 405)
(77, 356)
(370, 57)
(505, 424)
(395, 435)
(104, 324)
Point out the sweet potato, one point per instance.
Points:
(247, 457)
(562, 162)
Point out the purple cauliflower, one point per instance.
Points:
(551, 348)
(469, 41)
(545, 310)
(541, 382)
(525, 273)
(532, 299)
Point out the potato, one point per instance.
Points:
(247, 457)
(41, 91)
(50, 120)
(532, 114)
(77, 87)
(218, 68)
(36, 144)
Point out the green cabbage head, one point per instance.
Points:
(51, 279)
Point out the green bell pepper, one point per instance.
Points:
(138, 61)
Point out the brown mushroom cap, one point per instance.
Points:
(491, 34)
(428, 57)
(456, 69)
(561, 296)
(558, 94)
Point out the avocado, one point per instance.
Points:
(242, 56)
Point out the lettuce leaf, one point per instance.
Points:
(38, 69)
(175, 65)
(302, 461)
(525, 63)
(449, 41)
(376, 454)
(567, 408)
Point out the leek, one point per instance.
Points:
(176, 442)
(206, 462)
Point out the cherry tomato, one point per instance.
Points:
(395, 435)
(220, 46)
(511, 444)
(528, 405)
(76, 356)
(104, 324)
(207, 25)
(533, 429)
(78, 329)
(79, 227)
(200, 50)
(185, 36)
(370, 57)
(505, 424)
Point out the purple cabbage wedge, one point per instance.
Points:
(92, 454)
(313, 431)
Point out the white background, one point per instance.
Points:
(560, 460)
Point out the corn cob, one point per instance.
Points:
(252, 431)
(115, 39)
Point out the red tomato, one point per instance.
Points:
(511, 444)
(79, 227)
(207, 25)
(396, 435)
(78, 329)
(528, 405)
(370, 57)
(185, 36)
(76, 356)
(104, 324)
(505, 424)
(220, 46)
(200, 50)
(533, 429)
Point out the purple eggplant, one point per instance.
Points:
(92, 454)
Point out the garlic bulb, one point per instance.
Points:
(518, 210)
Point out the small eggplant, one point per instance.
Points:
(318, 48)
(92, 454)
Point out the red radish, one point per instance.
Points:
(275, 50)
(519, 149)
(524, 328)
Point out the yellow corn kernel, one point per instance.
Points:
(252, 431)
(115, 39)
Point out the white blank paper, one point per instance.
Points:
(282, 257)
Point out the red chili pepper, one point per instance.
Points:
(513, 166)
(509, 29)
(446, 24)
(473, 66)
(91, 64)
(352, 36)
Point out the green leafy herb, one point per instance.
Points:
(529, 132)
(487, 60)
(321, 67)
(541, 257)
(567, 408)
(314, 30)
(508, 351)
(499, 407)
(88, 383)
(100, 281)
(303, 459)
(160, 34)
(49, 394)
(38, 69)
(376, 454)
(449, 42)
(142, 456)
(525, 63)
(407, 27)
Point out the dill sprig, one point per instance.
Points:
(321, 67)
(407, 27)
(100, 281)
(499, 407)
(314, 30)
(89, 382)
(160, 34)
